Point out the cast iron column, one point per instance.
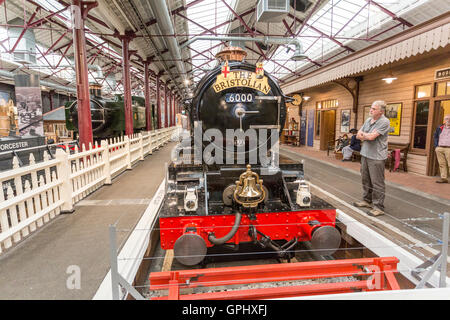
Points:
(174, 109)
(80, 11)
(170, 108)
(166, 113)
(127, 83)
(148, 110)
(158, 101)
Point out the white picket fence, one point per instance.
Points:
(34, 194)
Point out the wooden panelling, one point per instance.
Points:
(409, 73)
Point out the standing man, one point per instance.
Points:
(374, 152)
(442, 144)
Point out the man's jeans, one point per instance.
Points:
(372, 175)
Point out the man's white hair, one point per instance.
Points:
(380, 103)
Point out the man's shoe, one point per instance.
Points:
(375, 212)
(362, 204)
(442, 181)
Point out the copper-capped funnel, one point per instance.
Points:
(231, 54)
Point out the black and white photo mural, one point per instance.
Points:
(29, 105)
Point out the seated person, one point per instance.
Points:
(355, 145)
(342, 142)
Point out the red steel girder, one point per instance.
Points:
(322, 33)
(55, 43)
(245, 26)
(391, 14)
(27, 25)
(376, 274)
(45, 19)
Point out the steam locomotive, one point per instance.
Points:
(108, 117)
(224, 190)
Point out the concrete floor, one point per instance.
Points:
(42, 265)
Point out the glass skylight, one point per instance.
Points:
(206, 15)
(336, 24)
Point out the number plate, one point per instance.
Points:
(239, 97)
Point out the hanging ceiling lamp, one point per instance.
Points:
(389, 78)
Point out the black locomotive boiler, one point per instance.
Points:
(219, 195)
(108, 115)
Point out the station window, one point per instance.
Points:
(443, 89)
(423, 91)
(317, 132)
(327, 104)
(421, 112)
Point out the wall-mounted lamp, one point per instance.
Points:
(306, 98)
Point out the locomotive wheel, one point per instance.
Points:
(190, 249)
(326, 240)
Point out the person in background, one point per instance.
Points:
(342, 142)
(442, 145)
(355, 145)
(374, 152)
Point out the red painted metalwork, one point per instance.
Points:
(372, 274)
(148, 110)
(166, 106)
(276, 225)
(56, 42)
(321, 33)
(391, 14)
(24, 30)
(41, 21)
(158, 101)
(127, 83)
(173, 109)
(169, 108)
(79, 12)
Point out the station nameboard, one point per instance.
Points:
(442, 74)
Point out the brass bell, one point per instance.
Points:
(249, 191)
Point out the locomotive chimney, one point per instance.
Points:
(231, 54)
(95, 89)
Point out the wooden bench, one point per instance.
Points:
(404, 148)
(356, 156)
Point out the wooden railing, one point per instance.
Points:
(35, 194)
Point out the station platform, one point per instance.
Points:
(421, 185)
(413, 203)
(41, 266)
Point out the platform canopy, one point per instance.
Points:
(180, 38)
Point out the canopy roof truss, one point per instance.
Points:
(329, 30)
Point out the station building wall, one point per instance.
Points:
(410, 73)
